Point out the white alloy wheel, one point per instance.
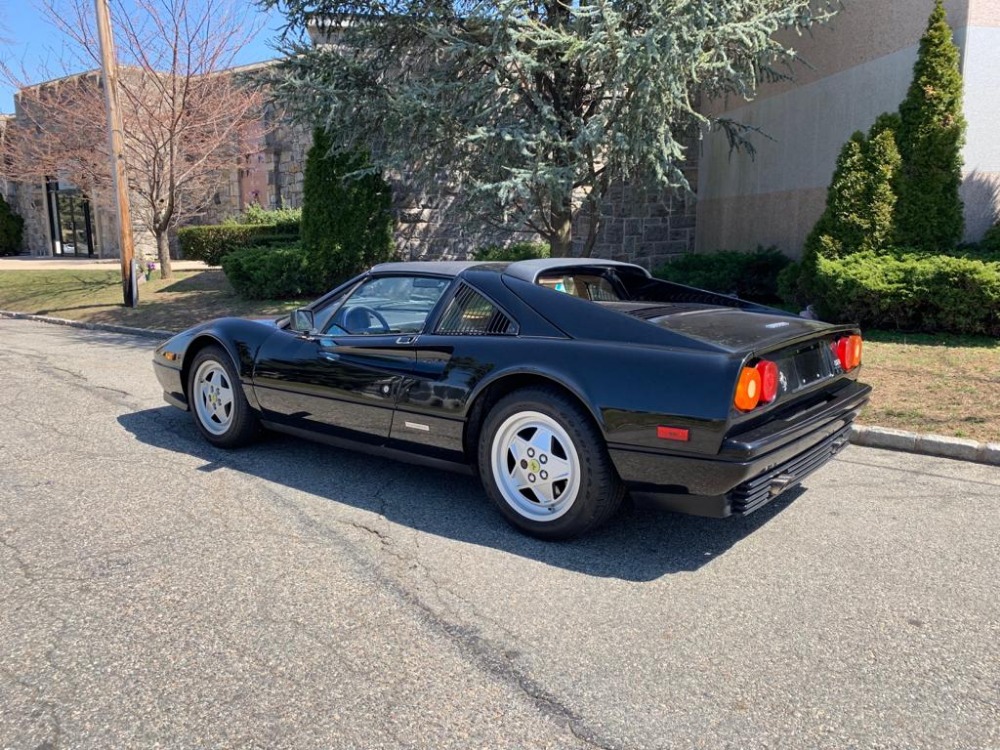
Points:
(536, 466)
(213, 397)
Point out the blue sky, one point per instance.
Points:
(28, 41)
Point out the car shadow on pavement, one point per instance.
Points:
(642, 543)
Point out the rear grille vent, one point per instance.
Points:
(757, 492)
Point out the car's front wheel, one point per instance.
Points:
(218, 403)
(544, 464)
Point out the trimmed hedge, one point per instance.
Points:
(911, 292)
(750, 276)
(273, 273)
(514, 252)
(279, 217)
(212, 242)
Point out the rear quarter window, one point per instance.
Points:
(471, 314)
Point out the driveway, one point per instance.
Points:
(157, 592)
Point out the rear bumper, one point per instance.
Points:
(751, 468)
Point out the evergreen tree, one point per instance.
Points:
(929, 214)
(860, 206)
(346, 218)
(860, 203)
(882, 163)
(529, 110)
(841, 228)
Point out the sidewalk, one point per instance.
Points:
(40, 263)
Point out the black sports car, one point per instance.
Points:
(564, 383)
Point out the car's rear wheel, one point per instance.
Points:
(220, 407)
(544, 464)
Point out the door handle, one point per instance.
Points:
(330, 356)
(406, 339)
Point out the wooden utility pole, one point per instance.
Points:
(109, 68)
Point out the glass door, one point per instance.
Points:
(69, 216)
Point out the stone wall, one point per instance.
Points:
(290, 144)
(643, 226)
(29, 201)
(432, 227)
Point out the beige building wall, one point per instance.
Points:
(851, 70)
(981, 69)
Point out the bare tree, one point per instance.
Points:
(187, 115)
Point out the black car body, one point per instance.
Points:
(412, 359)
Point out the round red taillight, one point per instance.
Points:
(768, 380)
(842, 350)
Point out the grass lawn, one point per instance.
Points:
(946, 385)
(96, 296)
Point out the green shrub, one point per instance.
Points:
(280, 217)
(991, 240)
(514, 252)
(210, 243)
(791, 286)
(750, 276)
(273, 273)
(346, 218)
(911, 292)
(983, 251)
(11, 229)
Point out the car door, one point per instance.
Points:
(471, 337)
(344, 380)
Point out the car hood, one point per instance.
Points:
(731, 328)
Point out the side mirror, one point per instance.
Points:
(303, 321)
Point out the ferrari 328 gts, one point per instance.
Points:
(564, 383)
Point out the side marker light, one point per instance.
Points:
(673, 433)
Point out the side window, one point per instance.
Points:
(469, 313)
(388, 304)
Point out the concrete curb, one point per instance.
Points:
(869, 437)
(147, 332)
(926, 445)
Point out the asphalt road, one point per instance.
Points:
(156, 592)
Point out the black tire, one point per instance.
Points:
(233, 425)
(594, 497)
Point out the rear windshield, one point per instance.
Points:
(597, 288)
